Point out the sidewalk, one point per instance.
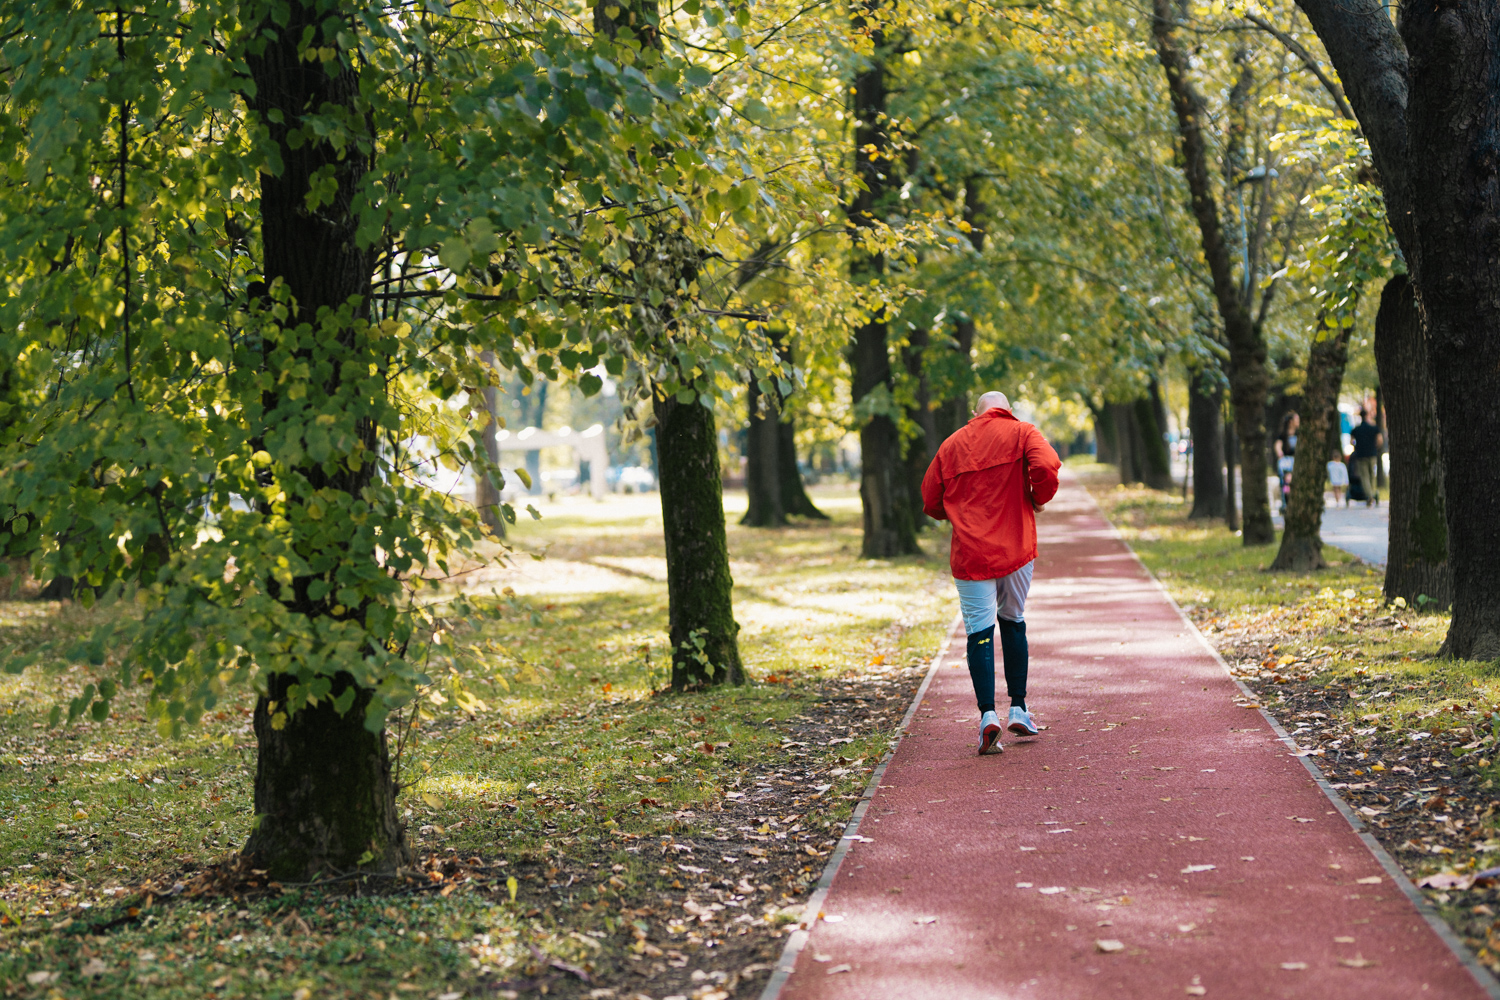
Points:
(1156, 840)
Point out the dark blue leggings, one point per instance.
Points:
(1015, 654)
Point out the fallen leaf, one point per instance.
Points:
(1109, 946)
(1196, 991)
(1198, 868)
(1053, 890)
(1343, 940)
(1186, 928)
(822, 958)
(1248, 858)
(1294, 966)
(94, 967)
(846, 967)
(832, 918)
(1024, 885)
(1446, 880)
(1066, 829)
(1358, 962)
(925, 920)
(42, 978)
(1372, 880)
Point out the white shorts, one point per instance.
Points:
(983, 601)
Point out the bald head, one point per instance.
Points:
(990, 401)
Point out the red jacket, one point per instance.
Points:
(979, 482)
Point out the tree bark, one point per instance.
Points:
(1431, 89)
(486, 492)
(794, 498)
(890, 524)
(1122, 418)
(1231, 462)
(324, 792)
(701, 625)
(762, 462)
(1417, 559)
(1454, 117)
(1206, 425)
(953, 412)
(920, 451)
(1105, 451)
(1156, 458)
(1249, 380)
(1302, 540)
(324, 795)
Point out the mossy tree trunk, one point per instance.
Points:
(1302, 539)
(325, 799)
(1417, 558)
(324, 792)
(701, 625)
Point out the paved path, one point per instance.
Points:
(1357, 529)
(1101, 830)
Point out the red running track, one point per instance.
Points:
(1098, 830)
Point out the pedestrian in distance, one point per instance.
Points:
(990, 479)
(1367, 440)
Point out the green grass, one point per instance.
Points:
(573, 763)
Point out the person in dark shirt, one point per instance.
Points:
(1367, 441)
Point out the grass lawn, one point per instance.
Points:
(1408, 739)
(581, 835)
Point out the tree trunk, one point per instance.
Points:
(1248, 380)
(890, 523)
(920, 451)
(1380, 482)
(1206, 425)
(1417, 559)
(1452, 111)
(794, 498)
(486, 492)
(1428, 103)
(538, 414)
(1105, 451)
(1231, 462)
(1127, 449)
(953, 412)
(1156, 458)
(1302, 540)
(324, 796)
(705, 648)
(762, 463)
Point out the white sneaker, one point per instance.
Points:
(989, 733)
(1021, 722)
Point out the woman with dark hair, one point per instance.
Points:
(1286, 447)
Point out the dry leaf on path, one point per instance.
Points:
(1109, 946)
(846, 967)
(1358, 962)
(1052, 890)
(924, 920)
(1198, 868)
(1294, 966)
(1371, 880)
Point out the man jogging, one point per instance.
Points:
(989, 479)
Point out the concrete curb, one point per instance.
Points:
(1482, 976)
(797, 940)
